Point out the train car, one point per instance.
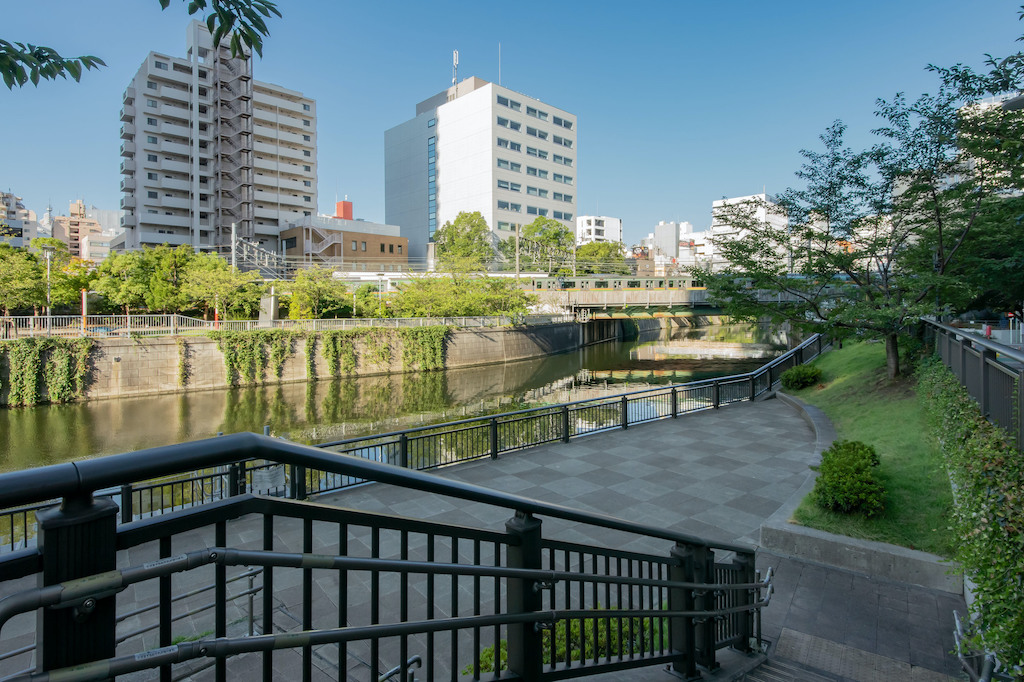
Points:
(611, 282)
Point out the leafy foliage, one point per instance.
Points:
(846, 481)
(63, 364)
(423, 347)
(464, 245)
(21, 279)
(21, 63)
(431, 296)
(800, 376)
(601, 258)
(545, 244)
(316, 294)
(248, 355)
(987, 472)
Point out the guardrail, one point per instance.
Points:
(991, 372)
(426, 447)
(101, 326)
(358, 586)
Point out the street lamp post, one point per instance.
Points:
(48, 253)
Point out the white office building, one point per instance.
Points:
(597, 228)
(205, 146)
(481, 147)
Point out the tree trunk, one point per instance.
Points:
(892, 356)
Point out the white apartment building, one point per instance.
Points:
(205, 146)
(478, 146)
(597, 228)
(761, 210)
(18, 225)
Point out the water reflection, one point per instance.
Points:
(341, 408)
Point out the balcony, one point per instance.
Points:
(128, 184)
(127, 131)
(128, 148)
(128, 203)
(128, 166)
(128, 112)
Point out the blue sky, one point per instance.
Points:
(679, 103)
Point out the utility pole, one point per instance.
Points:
(517, 251)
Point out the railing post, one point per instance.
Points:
(403, 450)
(525, 642)
(715, 394)
(126, 503)
(624, 412)
(233, 479)
(681, 628)
(493, 429)
(565, 423)
(984, 401)
(1020, 408)
(76, 540)
(675, 403)
(961, 373)
(297, 482)
(744, 620)
(817, 344)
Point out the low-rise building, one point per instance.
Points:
(73, 228)
(345, 243)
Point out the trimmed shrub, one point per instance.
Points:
(800, 376)
(846, 481)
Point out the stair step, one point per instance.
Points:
(782, 670)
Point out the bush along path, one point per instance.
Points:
(987, 472)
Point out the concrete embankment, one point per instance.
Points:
(148, 366)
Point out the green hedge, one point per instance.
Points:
(987, 472)
(800, 376)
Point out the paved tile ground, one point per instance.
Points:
(715, 474)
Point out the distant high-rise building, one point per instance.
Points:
(478, 146)
(756, 207)
(18, 225)
(206, 146)
(597, 228)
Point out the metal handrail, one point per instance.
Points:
(981, 341)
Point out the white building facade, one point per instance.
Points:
(18, 225)
(205, 146)
(480, 147)
(597, 228)
(760, 209)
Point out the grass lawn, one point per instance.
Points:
(864, 405)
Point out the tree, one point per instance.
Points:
(21, 63)
(465, 244)
(441, 296)
(316, 294)
(601, 258)
(993, 262)
(212, 284)
(873, 237)
(21, 279)
(169, 270)
(547, 240)
(123, 279)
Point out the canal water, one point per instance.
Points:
(345, 408)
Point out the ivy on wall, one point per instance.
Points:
(61, 365)
(248, 355)
(423, 347)
(184, 362)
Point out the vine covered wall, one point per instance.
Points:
(44, 370)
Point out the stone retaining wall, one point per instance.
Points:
(147, 366)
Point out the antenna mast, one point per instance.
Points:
(455, 71)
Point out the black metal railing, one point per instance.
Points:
(344, 591)
(427, 447)
(991, 372)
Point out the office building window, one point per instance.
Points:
(564, 160)
(150, 139)
(537, 113)
(307, 168)
(534, 191)
(431, 186)
(151, 103)
(431, 123)
(307, 199)
(306, 152)
(362, 246)
(399, 249)
(515, 146)
(353, 244)
(151, 85)
(562, 122)
(306, 138)
(510, 103)
(382, 248)
(539, 153)
(536, 133)
(305, 107)
(151, 195)
(531, 210)
(150, 121)
(511, 125)
(564, 141)
(151, 176)
(307, 183)
(515, 208)
(151, 157)
(161, 65)
(391, 248)
(305, 123)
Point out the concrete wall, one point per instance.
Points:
(132, 367)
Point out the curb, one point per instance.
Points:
(868, 557)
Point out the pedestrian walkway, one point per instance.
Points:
(719, 475)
